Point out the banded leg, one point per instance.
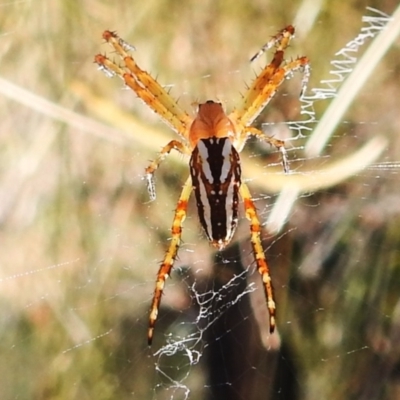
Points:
(166, 266)
(266, 85)
(262, 266)
(151, 169)
(268, 81)
(147, 88)
(282, 38)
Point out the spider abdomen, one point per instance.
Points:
(216, 177)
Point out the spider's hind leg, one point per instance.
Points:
(262, 265)
(166, 266)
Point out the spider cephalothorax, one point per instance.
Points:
(213, 140)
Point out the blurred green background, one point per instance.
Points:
(80, 244)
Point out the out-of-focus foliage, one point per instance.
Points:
(80, 244)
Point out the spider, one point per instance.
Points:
(213, 140)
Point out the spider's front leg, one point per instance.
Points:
(270, 78)
(151, 169)
(264, 88)
(262, 266)
(143, 84)
(166, 266)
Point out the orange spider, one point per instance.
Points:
(213, 140)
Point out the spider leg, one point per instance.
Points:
(153, 166)
(279, 144)
(265, 87)
(268, 81)
(262, 266)
(282, 39)
(166, 266)
(146, 88)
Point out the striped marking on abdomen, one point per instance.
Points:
(216, 176)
